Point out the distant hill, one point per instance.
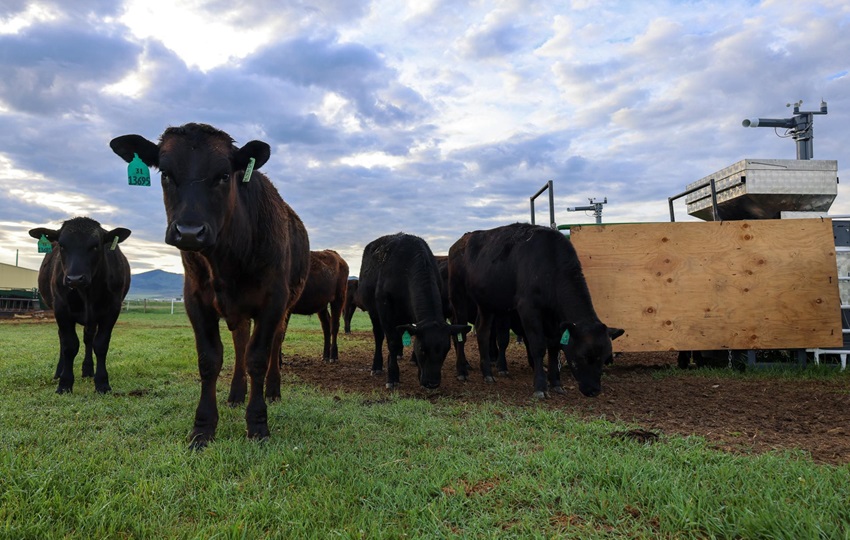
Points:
(156, 284)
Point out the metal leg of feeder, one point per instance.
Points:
(751, 358)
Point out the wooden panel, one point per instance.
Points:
(761, 284)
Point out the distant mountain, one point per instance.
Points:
(156, 284)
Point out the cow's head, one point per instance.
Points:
(431, 344)
(81, 243)
(201, 171)
(587, 349)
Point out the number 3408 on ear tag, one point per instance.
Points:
(138, 173)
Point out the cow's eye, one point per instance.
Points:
(166, 178)
(224, 178)
(93, 248)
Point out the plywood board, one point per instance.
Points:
(760, 284)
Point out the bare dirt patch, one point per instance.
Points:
(746, 415)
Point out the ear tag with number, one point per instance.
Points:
(44, 245)
(249, 170)
(405, 338)
(114, 244)
(138, 173)
(565, 337)
(460, 337)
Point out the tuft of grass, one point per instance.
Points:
(375, 465)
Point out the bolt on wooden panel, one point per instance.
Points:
(760, 284)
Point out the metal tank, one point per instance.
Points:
(763, 188)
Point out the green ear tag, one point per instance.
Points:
(114, 244)
(248, 171)
(565, 338)
(460, 337)
(405, 338)
(44, 245)
(138, 173)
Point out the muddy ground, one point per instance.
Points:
(744, 415)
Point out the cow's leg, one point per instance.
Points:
(554, 373)
(461, 365)
(204, 321)
(347, 314)
(101, 348)
(267, 337)
(378, 332)
(89, 332)
(459, 316)
(239, 382)
(336, 312)
(535, 346)
(325, 320)
(484, 327)
(396, 350)
(501, 337)
(69, 345)
(275, 361)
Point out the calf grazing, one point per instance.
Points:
(351, 303)
(84, 279)
(325, 288)
(535, 272)
(400, 288)
(245, 255)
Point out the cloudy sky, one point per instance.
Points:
(432, 117)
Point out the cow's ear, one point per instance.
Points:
(50, 234)
(614, 333)
(410, 328)
(258, 150)
(459, 328)
(121, 233)
(127, 146)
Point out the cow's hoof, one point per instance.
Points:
(559, 390)
(462, 378)
(331, 360)
(377, 372)
(272, 398)
(392, 385)
(503, 373)
(88, 374)
(259, 433)
(489, 379)
(199, 440)
(64, 389)
(540, 395)
(103, 389)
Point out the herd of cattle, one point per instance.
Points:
(247, 259)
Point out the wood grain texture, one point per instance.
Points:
(760, 284)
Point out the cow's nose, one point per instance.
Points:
(431, 385)
(191, 233)
(76, 280)
(188, 237)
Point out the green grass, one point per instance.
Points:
(359, 466)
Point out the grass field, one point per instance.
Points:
(358, 466)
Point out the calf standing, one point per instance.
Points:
(84, 279)
(400, 288)
(326, 288)
(245, 254)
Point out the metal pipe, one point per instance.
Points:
(548, 186)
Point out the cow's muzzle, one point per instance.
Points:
(188, 237)
(76, 281)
